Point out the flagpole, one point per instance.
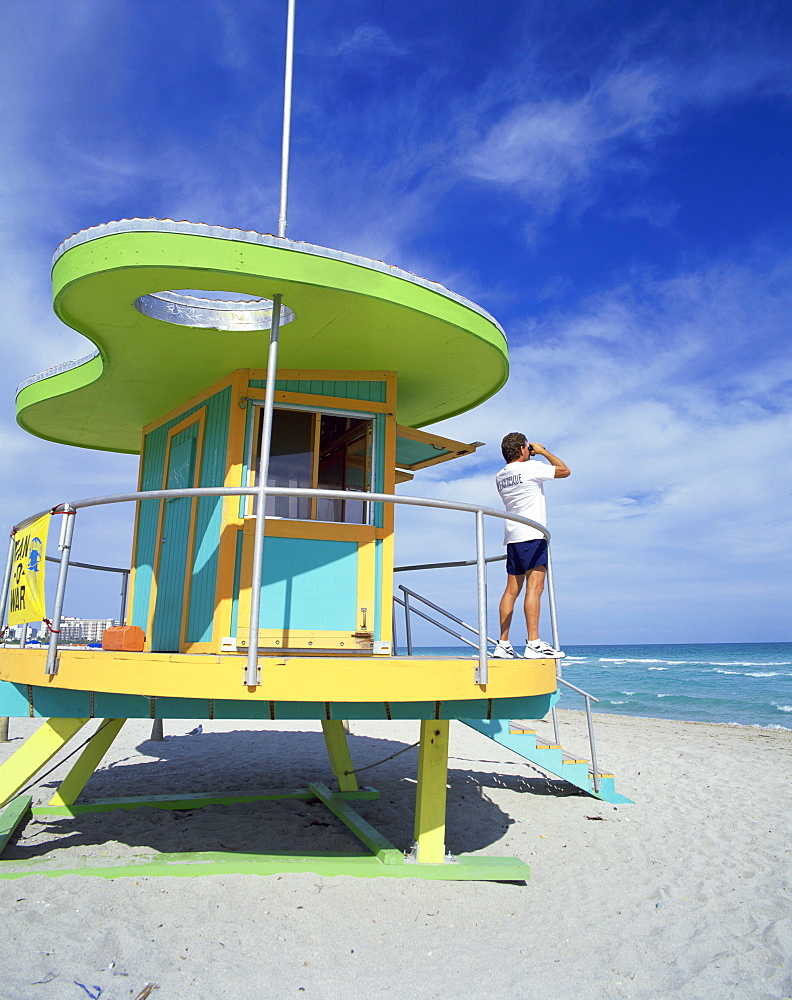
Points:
(252, 678)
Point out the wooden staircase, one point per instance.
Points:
(550, 757)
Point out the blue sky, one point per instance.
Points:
(610, 179)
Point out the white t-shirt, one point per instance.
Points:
(521, 490)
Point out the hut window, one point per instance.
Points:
(315, 450)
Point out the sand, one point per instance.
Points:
(685, 893)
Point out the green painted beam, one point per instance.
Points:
(12, 816)
(463, 868)
(195, 800)
(384, 851)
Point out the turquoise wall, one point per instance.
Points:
(308, 593)
(309, 584)
(208, 522)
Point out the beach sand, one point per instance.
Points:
(685, 893)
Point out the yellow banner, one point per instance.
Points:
(27, 603)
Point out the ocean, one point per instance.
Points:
(746, 684)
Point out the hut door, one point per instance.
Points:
(172, 567)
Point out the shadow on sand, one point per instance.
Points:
(258, 761)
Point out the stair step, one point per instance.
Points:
(548, 756)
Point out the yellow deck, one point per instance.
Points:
(283, 678)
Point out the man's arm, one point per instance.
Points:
(561, 469)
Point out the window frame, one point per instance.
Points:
(257, 407)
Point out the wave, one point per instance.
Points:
(696, 663)
(756, 725)
(658, 668)
(781, 708)
(746, 663)
(749, 673)
(637, 659)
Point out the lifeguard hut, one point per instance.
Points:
(277, 393)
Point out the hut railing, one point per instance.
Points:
(69, 512)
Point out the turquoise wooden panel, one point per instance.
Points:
(121, 706)
(227, 709)
(51, 703)
(535, 707)
(208, 522)
(374, 391)
(59, 703)
(152, 466)
(172, 567)
(412, 452)
(309, 584)
(13, 701)
(181, 708)
(357, 710)
(152, 462)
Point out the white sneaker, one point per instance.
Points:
(503, 651)
(540, 650)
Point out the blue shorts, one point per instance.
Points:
(524, 556)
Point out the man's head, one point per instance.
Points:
(512, 446)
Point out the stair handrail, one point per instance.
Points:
(433, 621)
(595, 774)
(409, 609)
(435, 607)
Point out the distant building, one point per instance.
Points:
(84, 629)
(14, 632)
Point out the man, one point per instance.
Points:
(521, 490)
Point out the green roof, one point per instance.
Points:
(349, 314)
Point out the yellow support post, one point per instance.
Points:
(69, 789)
(25, 763)
(430, 794)
(338, 752)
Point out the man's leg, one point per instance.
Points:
(510, 595)
(533, 596)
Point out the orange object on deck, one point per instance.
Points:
(128, 638)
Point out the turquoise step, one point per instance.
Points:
(550, 758)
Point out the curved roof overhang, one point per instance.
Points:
(349, 314)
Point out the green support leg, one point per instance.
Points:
(69, 790)
(430, 795)
(25, 763)
(12, 817)
(338, 752)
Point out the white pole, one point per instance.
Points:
(251, 671)
(287, 98)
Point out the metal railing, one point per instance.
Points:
(69, 511)
(410, 609)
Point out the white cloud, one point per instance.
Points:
(370, 38)
(680, 484)
(548, 149)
